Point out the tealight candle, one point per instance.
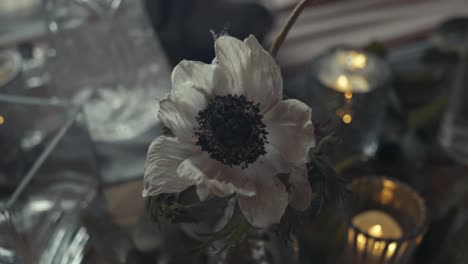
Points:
(350, 71)
(378, 225)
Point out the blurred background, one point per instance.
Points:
(79, 82)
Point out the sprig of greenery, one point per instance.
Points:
(328, 184)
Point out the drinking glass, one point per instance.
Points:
(104, 54)
(48, 174)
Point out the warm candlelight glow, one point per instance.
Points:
(378, 224)
(347, 84)
(361, 242)
(353, 60)
(388, 192)
(391, 249)
(357, 60)
(2, 120)
(342, 83)
(375, 231)
(348, 95)
(350, 70)
(381, 223)
(347, 118)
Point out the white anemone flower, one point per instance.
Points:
(233, 134)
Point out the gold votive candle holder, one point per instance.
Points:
(386, 221)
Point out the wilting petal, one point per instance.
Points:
(222, 180)
(164, 156)
(300, 193)
(192, 88)
(253, 71)
(290, 121)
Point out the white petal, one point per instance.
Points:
(290, 121)
(267, 207)
(209, 188)
(164, 156)
(271, 199)
(300, 193)
(222, 180)
(179, 118)
(204, 192)
(235, 57)
(252, 70)
(267, 81)
(271, 163)
(192, 88)
(195, 73)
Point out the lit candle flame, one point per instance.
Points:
(375, 231)
(348, 95)
(357, 60)
(342, 83)
(380, 227)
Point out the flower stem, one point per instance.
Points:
(287, 26)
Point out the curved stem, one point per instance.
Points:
(287, 26)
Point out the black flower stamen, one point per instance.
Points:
(231, 130)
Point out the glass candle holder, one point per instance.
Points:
(348, 87)
(386, 219)
(48, 174)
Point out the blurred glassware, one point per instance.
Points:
(348, 88)
(452, 35)
(13, 11)
(10, 71)
(453, 134)
(47, 175)
(104, 54)
(34, 72)
(20, 20)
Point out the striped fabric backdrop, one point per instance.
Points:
(356, 22)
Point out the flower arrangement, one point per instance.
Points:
(231, 136)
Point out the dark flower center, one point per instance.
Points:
(231, 130)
